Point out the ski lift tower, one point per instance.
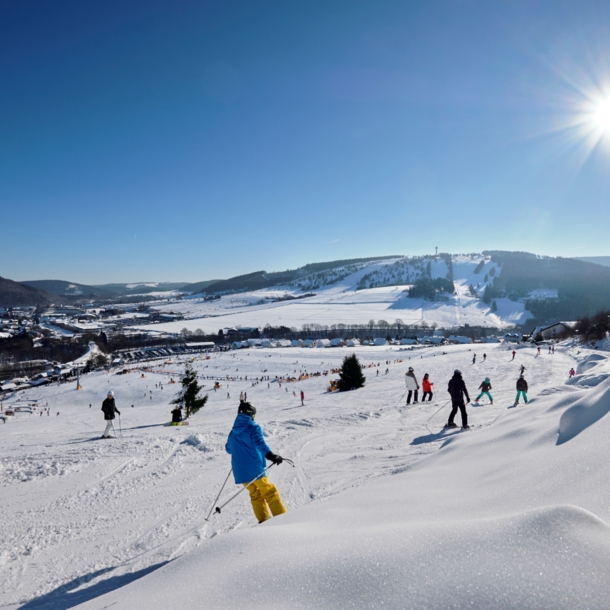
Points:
(78, 386)
(436, 253)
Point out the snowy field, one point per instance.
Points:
(342, 302)
(381, 511)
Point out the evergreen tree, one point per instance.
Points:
(350, 377)
(494, 306)
(188, 398)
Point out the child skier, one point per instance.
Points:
(412, 385)
(248, 451)
(521, 389)
(427, 388)
(457, 390)
(485, 387)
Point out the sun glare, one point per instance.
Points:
(601, 115)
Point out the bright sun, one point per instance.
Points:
(601, 115)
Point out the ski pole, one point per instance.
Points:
(218, 496)
(120, 426)
(438, 411)
(219, 508)
(403, 395)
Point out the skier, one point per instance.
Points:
(572, 372)
(412, 386)
(109, 409)
(521, 389)
(474, 359)
(427, 388)
(485, 387)
(457, 390)
(248, 451)
(241, 397)
(177, 416)
(522, 370)
(302, 398)
(484, 357)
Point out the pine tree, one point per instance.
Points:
(350, 377)
(494, 306)
(188, 398)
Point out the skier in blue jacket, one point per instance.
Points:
(248, 451)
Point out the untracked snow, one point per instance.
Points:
(381, 512)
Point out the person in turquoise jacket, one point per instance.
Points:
(248, 451)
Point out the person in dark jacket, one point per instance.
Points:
(109, 409)
(457, 390)
(521, 389)
(485, 387)
(177, 416)
(248, 451)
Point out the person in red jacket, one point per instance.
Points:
(427, 388)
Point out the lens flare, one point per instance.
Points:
(601, 116)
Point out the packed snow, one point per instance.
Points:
(385, 508)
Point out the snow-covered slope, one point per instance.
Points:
(512, 514)
(377, 290)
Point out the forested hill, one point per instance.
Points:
(14, 294)
(583, 288)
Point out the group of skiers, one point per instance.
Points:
(458, 393)
(249, 452)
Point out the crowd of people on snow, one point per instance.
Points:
(249, 451)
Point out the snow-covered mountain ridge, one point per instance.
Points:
(357, 293)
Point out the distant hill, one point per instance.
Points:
(262, 279)
(71, 289)
(198, 286)
(15, 294)
(598, 260)
(139, 287)
(583, 287)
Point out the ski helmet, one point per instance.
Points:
(247, 408)
(486, 378)
(110, 393)
(457, 372)
(410, 369)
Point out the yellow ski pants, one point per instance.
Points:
(262, 495)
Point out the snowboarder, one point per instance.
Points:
(248, 451)
(427, 388)
(177, 416)
(412, 386)
(572, 372)
(521, 389)
(485, 387)
(109, 409)
(302, 398)
(457, 390)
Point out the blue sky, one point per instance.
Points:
(183, 141)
